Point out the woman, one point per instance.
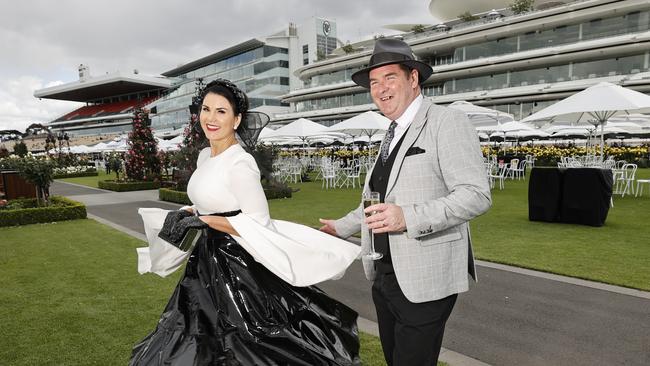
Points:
(238, 302)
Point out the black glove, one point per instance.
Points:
(181, 228)
(171, 219)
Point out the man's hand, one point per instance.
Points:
(386, 218)
(328, 227)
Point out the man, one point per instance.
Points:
(430, 175)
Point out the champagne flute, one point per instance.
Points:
(369, 199)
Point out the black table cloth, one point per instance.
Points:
(570, 195)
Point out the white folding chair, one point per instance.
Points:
(328, 173)
(625, 182)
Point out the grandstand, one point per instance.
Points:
(109, 103)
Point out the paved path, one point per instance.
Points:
(511, 317)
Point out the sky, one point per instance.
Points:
(43, 42)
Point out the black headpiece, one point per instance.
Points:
(251, 124)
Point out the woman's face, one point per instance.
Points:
(217, 117)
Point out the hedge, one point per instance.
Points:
(112, 185)
(274, 192)
(62, 209)
(170, 195)
(75, 175)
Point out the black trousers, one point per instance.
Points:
(411, 333)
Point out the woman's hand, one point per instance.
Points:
(219, 223)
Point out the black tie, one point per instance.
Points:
(385, 146)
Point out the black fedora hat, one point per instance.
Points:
(391, 51)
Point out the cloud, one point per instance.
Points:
(43, 42)
(19, 108)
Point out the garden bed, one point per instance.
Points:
(170, 195)
(25, 211)
(92, 173)
(116, 186)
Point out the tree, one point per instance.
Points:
(40, 172)
(418, 28)
(467, 17)
(20, 149)
(142, 162)
(522, 6)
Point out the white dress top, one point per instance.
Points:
(298, 254)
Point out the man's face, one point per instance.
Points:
(393, 90)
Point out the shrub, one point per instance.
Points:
(25, 211)
(36, 170)
(76, 175)
(170, 195)
(418, 28)
(74, 171)
(112, 185)
(522, 6)
(20, 149)
(275, 190)
(348, 48)
(467, 17)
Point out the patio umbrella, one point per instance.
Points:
(595, 105)
(365, 124)
(481, 116)
(302, 129)
(499, 131)
(266, 133)
(571, 132)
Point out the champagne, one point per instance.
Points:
(367, 202)
(369, 199)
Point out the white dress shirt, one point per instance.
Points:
(404, 121)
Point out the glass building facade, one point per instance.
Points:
(633, 22)
(263, 73)
(638, 21)
(580, 66)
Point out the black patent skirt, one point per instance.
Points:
(228, 309)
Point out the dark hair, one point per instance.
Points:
(237, 98)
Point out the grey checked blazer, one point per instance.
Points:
(439, 191)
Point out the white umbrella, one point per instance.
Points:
(506, 127)
(300, 128)
(572, 132)
(595, 105)
(642, 120)
(366, 139)
(365, 124)
(527, 134)
(368, 124)
(611, 130)
(80, 149)
(481, 116)
(266, 133)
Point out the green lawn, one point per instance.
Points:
(90, 181)
(71, 295)
(617, 253)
